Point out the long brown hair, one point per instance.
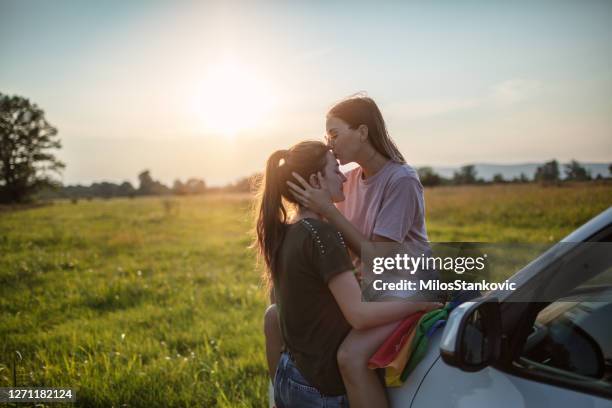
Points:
(362, 110)
(305, 158)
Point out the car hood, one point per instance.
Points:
(403, 396)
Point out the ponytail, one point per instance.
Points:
(272, 213)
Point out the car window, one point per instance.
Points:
(575, 337)
(571, 337)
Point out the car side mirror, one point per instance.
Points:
(472, 336)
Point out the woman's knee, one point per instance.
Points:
(351, 356)
(344, 359)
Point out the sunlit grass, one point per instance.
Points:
(158, 302)
(132, 305)
(512, 213)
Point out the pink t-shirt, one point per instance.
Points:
(389, 204)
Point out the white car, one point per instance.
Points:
(498, 352)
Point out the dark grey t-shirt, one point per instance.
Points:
(312, 323)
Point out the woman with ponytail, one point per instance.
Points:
(318, 299)
(384, 203)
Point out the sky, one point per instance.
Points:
(210, 89)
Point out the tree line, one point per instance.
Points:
(147, 186)
(547, 173)
(28, 166)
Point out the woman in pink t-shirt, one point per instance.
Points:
(384, 203)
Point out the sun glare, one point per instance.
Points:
(232, 98)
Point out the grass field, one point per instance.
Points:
(157, 302)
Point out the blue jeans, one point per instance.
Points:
(291, 390)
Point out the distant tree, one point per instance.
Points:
(465, 175)
(428, 177)
(196, 186)
(104, 190)
(191, 186)
(610, 169)
(148, 186)
(179, 188)
(26, 144)
(576, 172)
(498, 178)
(146, 182)
(548, 172)
(126, 189)
(522, 178)
(77, 191)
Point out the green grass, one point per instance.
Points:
(512, 213)
(158, 302)
(132, 304)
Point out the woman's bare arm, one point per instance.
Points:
(364, 315)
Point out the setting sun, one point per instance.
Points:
(232, 98)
